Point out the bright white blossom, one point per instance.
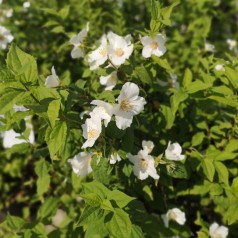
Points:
(81, 163)
(98, 56)
(114, 158)
(148, 146)
(129, 105)
(77, 40)
(103, 110)
(91, 130)
(144, 165)
(5, 37)
(216, 231)
(26, 4)
(174, 214)
(110, 81)
(231, 43)
(119, 48)
(173, 152)
(11, 138)
(52, 80)
(209, 47)
(219, 67)
(153, 46)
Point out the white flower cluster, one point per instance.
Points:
(216, 231)
(129, 104)
(5, 37)
(144, 164)
(174, 214)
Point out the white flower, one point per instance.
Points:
(26, 4)
(119, 48)
(5, 37)
(173, 152)
(8, 12)
(110, 81)
(114, 158)
(98, 56)
(129, 104)
(11, 138)
(52, 81)
(76, 41)
(174, 214)
(144, 165)
(173, 81)
(148, 146)
(231, 43)
(153, 46)
(216, 231)
(209, 47)
(220, 67)
(103, 111)
(81, 163)
(91, 130)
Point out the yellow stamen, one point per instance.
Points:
(119, 52)
(125, 105)
(153, 45)
(92, 133)
(103, 52)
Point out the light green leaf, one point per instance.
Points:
(22, 65)
(197, 86)
(208, 169)
(119, 197)
(143, 75)
(222, 171)
(56, 138)
(64, 12)
(136, 232)
(92, 199)
(90, 215)
(48, 208)
(120, 225)
(187, 78)
(95, 187)
(163, 63)
(53, 111)
(176, 99)
(198, 138)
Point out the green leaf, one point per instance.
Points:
(168, 116)
(136, 232)
(95, 187)
(90, 215)
(119, 197)
(14, 222)
(101, 170)
(56, 138)
(222, 171)
(22, 65)
(176, 170)
(197, 86)
(187, 78)
(155, 7)
(224, 100)
(43, 180)
(128, 140)
(166, 13)
(232, 76)
(106, 205)
(143, 75)
(64, 12)
(163, 63)
(176, 99)
(48, 208)
(198, 138)
(120, 225)
(9, 97)
(113, 131)
(208, 169)
(53, 111)
(92, 199)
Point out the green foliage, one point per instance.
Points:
(188, 101)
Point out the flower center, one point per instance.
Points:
(125, 105)
(216, 236)
(103, 52)
(172, 215)
(92, 133)
(119, 52)
(153, 45)
(2, 37)
(143, 164)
